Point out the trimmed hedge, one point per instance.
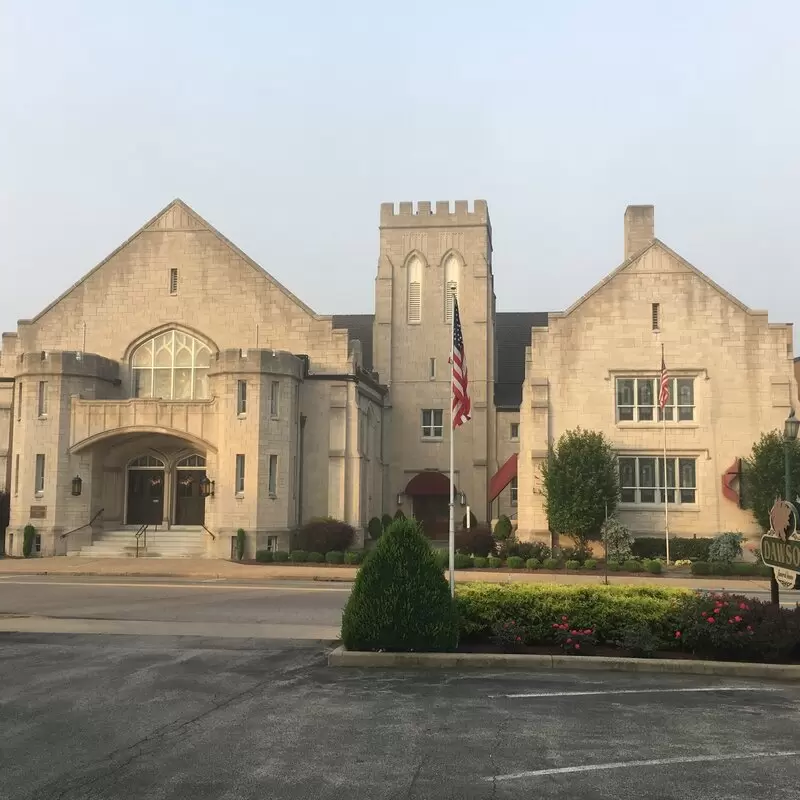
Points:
(280, 555)
(679, 548)
(316, 558)
(551, 563)
(493, 562)
(701, 568)
(353, 556)
(573, 564)
(608, 610)
(632, 566)
(479, 563)
(298, 556)
(400, 599)
(590, 563)
(320, 535)
(533, 563)
(515, 562)
(477, 541)
(653, 567)
(462, 561)
(264, 556)
(334, 557)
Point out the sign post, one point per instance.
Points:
(780, 548)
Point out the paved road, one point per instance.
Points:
(95, 717)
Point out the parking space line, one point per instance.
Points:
(637, 691)
(198, 585)
(653, 762)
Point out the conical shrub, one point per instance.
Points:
(400, 600)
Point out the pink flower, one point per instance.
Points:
(564, 619)
(710, 619)
(519, 639)
(750, 627)
(743, 606)
(555, 625)
(730, 622)
(705, 613)
(677, 634)
(569, 641)
(577, 647)
(737, 618)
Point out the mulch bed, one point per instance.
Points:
(555, 650)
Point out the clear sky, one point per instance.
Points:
(286, 124)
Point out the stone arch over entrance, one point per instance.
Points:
(430, 496)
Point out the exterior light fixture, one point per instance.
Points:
(77, 486)
(207, 487)
(791, 427)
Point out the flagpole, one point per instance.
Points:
(452, 522)
(666, 487)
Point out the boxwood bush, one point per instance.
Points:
(613, 566)
(679, 548)
(515, 562)
(316, 558)
(477, 541)
(493, 562)
(573, 564)
(264, 556)
(632, 566)
(590, 563)
(298, 556)
(334, 557)
(653, 566)
(533, 563)
(280, 555)
(744, 568)
(479, 563)
(353, 556)
(462, 561)
(701, 568)
(551, 563)
(400, 599)
(609, 610)
(321, 534)
(442, 559)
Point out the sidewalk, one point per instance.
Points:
(203, 568)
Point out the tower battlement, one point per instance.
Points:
(444, 212)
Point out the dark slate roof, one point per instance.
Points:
(358, 326)
(513, 334)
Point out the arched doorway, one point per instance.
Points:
(430, 494)
(190, 504)
(145, 496)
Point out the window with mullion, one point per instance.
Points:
(637, 400)
(643, 481)
(432, 423)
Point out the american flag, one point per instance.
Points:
(663, 393)
(461, 401)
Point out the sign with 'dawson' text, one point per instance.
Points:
(780, 553)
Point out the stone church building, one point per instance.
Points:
(178, 392)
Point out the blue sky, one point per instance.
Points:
(286, 125)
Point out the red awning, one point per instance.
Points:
(503, 477)
(430, 482)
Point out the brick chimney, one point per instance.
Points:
(639, 228)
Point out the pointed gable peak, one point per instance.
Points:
(177, 216)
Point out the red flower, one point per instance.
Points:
(518, 639)
(710, 619)
(737, 618)
(564, 619)
(555, 625)
(743, 606)
(705, 613)
(577, 647)
(677, 634)
(569, 641)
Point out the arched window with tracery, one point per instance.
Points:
(172, 366)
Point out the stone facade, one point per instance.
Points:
(178, 359)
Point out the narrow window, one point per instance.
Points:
(432, 369)
(241, 397)
(415, 290)
(273, 475)
(37, 543)
(16, 475)
(39, 485)
(515, 431)
(19, 402)
(42, 402)
(274, 395)
(451, 270)
(239, 473)
(432, 423)
(656, 310)
(173, 281)
(272, 543)
(514, 491)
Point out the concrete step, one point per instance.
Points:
(164, 543)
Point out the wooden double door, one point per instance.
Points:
(146, 497)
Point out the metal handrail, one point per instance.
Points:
(87, 525)
(139, 534)
(209, 533)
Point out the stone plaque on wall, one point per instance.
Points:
(38, 512)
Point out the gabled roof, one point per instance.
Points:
(625, 264)
(196, 222)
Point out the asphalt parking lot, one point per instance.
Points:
(177, 717)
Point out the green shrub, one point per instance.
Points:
(515, 562)
(573, 564)
(240, 541)
(721, 568)
(525, 550)
(590, 563)
(493, 562)
(316, 558)
(533, 563)
(477, 541)
(725, 548)
(680, 549)
(280, 555)
(334, 557)
(608, 610)
(639, 638)
(575, 553)
(386, 521)
(632, 566)
(298, 556)
(462, 561)
(701, 568)
(473, 521)
(374, 528)
(617, 540)
(398, 515)
(264, 556)
(28, 538)
(653, 567)
(400, 600)
(613, 566)
(503, 528)
(442, 558)
(551, 563)
(321, 534)
(353, 556)
(479, 563)
(744, 568)
(763, 570)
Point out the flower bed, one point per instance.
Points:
(625, 620)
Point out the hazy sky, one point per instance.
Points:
(285, 125)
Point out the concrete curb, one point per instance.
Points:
(339, 657)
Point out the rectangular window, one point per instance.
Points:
(39, 484)
(432, 369)
(515, 431)
(637, 400)
(173, 281)
(273, 475)
(16, 475)
(514, 491)
(239, 473)
(241, 397)
(37, 543)
(274, 396)
(432, 423)
(656, 313)
(42, 400)
(643, 481)
(19, 401)
(272, 543)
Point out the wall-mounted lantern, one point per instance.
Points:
(207, 487)
(400, 498)
(77, 486)
(462, 498)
